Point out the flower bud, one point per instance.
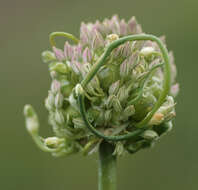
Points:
(53, 142)
(150, 135)
(113, 89)
(112, 37)
(59, 118)
(108, 115)
(59, 54)
(68, 51)
(174, 89)
(59, 67)
(48, 56)
(123, 94)
(156, 119)
(109, 102)
(116, 105)
(59, 100)
(53, 74)
(55, 86)
(49, 102)
(119, 149)
(132, 24)
(32, 123)
(123, 27)
(147, 51)
(167, 108)
(129, 111)
(86, 55)
(98, 40)
(78, 123)
(79, 89)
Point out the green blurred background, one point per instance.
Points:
(24, 29)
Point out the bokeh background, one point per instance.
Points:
(24, 29)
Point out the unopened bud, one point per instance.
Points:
(87, 55)
(29, 111)
(174, 90)
(112, 37)
(119, 149)
(59, 67)
(59, 117)
(129, 111)
(98, 40)
(79, 89)
(167, 107)
(59, 100)
(113, 89)
(116, 105)
(53, 74)
(48, 56)
(156, 119)
(55, 86)
(32, 123)
(58, 53)
(109, 102)
(123, 94)
(147, 51)
(108, 115)
(53, 142)
(49, 102)
(150, 135)
(78, 123)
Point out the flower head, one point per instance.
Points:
(122, 93)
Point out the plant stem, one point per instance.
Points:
(107, 167)
(63, 34)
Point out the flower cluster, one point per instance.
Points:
(122, 93)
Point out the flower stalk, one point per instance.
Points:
(107, 179)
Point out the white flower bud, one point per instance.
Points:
(59, 100)
(53, 74)
(32, 123)
(48, 56)
(59, 118)
(49, 101)
(53, 142)
(112, 37)
(150, 135)
(59, 67)
(55, 86)
(147, 51)
(79, 89)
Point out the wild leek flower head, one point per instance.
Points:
(115, 83)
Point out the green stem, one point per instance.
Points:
(63, 34)
(80, 94)
(107, 167)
